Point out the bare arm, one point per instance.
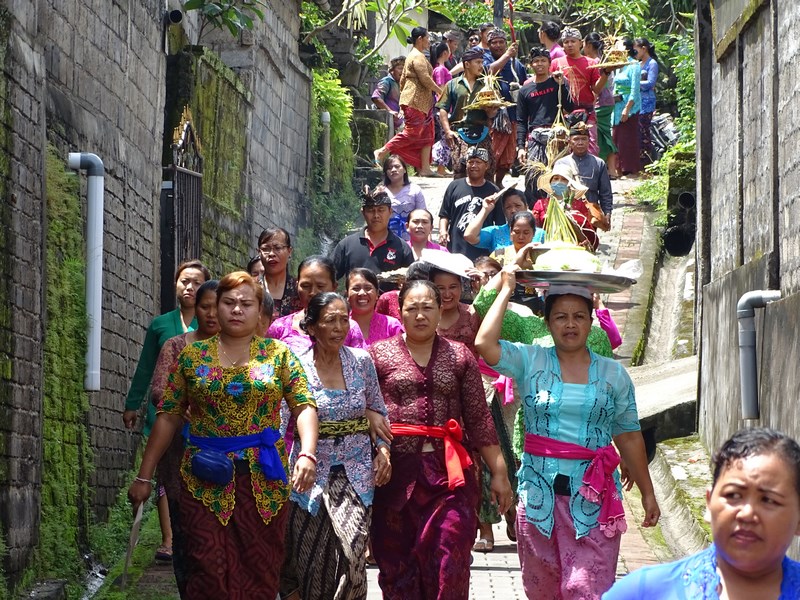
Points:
(631, 449)
(472, 233)
(497, 65)
(444, 224)
(305, 470)
(487, 340)
(160, 438)
(501, 493)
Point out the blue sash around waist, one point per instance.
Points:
(268, 456)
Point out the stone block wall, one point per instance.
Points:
(105, 91)
(21, 290)
(750, 171)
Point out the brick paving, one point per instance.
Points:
(497, 574)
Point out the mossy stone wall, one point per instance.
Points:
(66, 452)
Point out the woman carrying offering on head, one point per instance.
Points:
(234, 471)
(574, 404)
(328, 524)
(417, 89)
(754, 509)
(424, 518)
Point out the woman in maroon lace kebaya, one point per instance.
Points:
(424, 519)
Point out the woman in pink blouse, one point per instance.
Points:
(362, 294)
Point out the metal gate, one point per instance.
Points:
(181, 206)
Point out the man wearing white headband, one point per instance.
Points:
(584, 81)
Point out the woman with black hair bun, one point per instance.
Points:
(753, 506)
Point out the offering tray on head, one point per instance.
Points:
(609, 65)
(601, 283)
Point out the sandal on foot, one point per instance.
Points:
(511, 532)
(483, 545)
(164, 553)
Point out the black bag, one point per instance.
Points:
(212, 466)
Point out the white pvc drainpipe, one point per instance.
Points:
(748, 365)
(94, 261)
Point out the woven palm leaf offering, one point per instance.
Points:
(488, 95)
(615, 57)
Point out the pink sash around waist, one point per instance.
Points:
(598, 479)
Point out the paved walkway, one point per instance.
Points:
(497, 574)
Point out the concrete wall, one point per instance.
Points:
(749, 191)
(91, 76)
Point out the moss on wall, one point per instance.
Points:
(220, 104)
(368, 135)
(66, 450)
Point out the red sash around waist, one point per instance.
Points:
(598, 479)
(456, 457)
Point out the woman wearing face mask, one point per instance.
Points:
(168, 468)
(754, 509)
(561, 184)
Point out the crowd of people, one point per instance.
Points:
(394, 400)
(566, 75)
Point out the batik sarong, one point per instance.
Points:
(423, 549)
(561, 567)
(416, 135)
(626, 138)
(325, 553)
(238, 561)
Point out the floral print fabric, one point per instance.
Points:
(353, 452)
(234, 401)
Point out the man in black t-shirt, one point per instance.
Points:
(462, 200)
(375, 248)
(537, 107)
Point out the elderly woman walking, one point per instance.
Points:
(234, 483)
(328, 524)
(417, 88)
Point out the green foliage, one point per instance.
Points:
(110, 543)
(684, 64)
(468, 15)
(233, 15)
(373, 63)
(655, 191)
(311, 17)
(4, 593)
(332, 213)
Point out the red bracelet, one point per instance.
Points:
(309, 456)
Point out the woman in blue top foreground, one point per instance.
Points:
(754, 509)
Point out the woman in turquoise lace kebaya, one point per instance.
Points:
(574, 403)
